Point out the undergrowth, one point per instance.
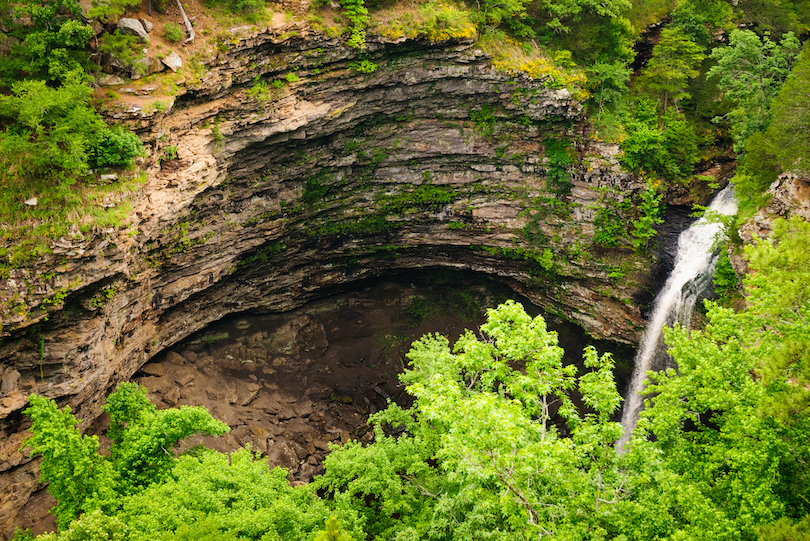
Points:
(555, 68)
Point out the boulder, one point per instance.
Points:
(153, 369)
(184, 378)
(147, 25)
(85, 6)
(133, 27)
(146, 66)
(7, 43)
(173, 61)
(175, 358)
(9, 382)
(110, 80)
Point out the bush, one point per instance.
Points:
(559, 164)
(170, 152)
(357, 14)
(650, 212)
(725, 279)
(364, 66)
(123, 47)
(668, 149)
(238, 7)
(114, 146)
(173, 33)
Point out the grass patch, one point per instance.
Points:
(554, 68)
(438, 21)
(27, 230)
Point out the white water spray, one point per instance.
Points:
(693, 270)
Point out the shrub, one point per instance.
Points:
(610, 219)
(114, 146)
(357, 14)
(725, 279)
(239, 7)
(559, 164)
(170, 152)
(364, 66)
(668, 149)
(124, 48)
(172, 32)
(650, 215)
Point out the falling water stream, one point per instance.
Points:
(691, 274)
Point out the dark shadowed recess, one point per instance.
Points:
(290, 383)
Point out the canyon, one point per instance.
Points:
(338, 176)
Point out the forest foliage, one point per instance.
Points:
(493, 446)
(52, 139)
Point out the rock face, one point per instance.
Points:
(317, 177)
(790, 196)
(133, 27)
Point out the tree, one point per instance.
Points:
(333, 532)
(80, 479)
(789, 133)
(649, 211)
(608, 83)
(53, 44)
(674, 63)
(112, 9)
(212, 496)
(724, 439)
(481, 455)
(697, 19)
(55, 130)
(560, 12)
(664, 147)
(70, 462)
(751, 72)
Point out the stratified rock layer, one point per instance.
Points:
(295, 174)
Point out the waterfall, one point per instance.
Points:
(691, 274)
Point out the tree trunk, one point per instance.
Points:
(189, 28)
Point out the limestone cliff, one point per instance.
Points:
(282, 192)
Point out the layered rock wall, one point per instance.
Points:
(298, 173)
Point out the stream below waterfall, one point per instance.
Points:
(690, 277)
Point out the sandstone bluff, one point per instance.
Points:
(435, 160)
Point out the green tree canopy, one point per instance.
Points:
(731, 426)
(789, 133)
(751, 71)
(675, 61)
(497, 445)
(482, 456)
(82, 480)
(52, 44)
